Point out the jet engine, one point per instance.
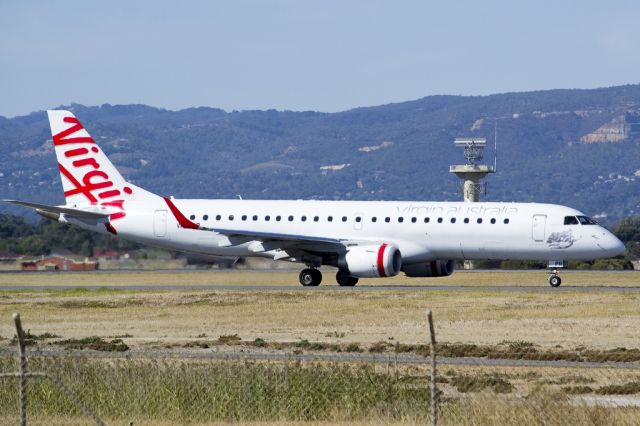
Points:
(435, 268)
(372, 261)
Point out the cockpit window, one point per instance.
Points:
(584, 220)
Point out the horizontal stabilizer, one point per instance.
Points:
(67, 211)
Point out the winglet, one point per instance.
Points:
(182, 220)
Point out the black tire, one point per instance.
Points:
(345, 280)
(317, 277)
(555, 281)
(310, 277)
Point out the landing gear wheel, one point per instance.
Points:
(345, 280)
(310, 277)
(555, 281)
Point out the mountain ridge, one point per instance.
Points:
(210, 153)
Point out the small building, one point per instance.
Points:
(106, 254)
(59, 263)
(7, 257)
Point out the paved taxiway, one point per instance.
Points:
(243, 287)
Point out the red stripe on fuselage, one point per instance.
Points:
(110, 228)
(182, 220)
(381, 250)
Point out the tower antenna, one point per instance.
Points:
(495, 145)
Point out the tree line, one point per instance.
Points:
(18, 237)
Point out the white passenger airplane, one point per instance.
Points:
(360, 238)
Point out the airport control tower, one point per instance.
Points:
(472, 173)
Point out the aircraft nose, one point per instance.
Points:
(614, 246)
(610, 245)
(618, 247)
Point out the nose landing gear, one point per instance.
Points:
(554, 279)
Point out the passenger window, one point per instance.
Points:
(192, 217)
(255, 217)
(267, 218)
(244, 217)
(570, 220)
(290, 218)
(493, 221)
(278, 218)
(479, 220)
(230, 217)
(453, 220)
(330, 218)
(316, 218)
(426, 220)
(387, 219)
(506, 221)
(344, 218)
(466, 220)
(218, 217)
(374, 219)
(400, 219)
(414, 219)
(303, 218)
(205, 217)
(358, 219)
(439, 220)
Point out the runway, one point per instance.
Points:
(542, 288)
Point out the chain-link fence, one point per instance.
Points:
(366, 388)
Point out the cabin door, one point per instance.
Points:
(160, 223)
(538, 227)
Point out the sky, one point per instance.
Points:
(299, 55)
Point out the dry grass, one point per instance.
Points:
(473, 395)
(547, 319)
(258, 278)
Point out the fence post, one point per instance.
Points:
(22, 383)
(434, 390)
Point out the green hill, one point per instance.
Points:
(575, 147)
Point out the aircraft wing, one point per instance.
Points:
(55, 210)
(268, 236)
(290, 243)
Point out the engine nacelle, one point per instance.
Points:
(373, 261)
(435, 268)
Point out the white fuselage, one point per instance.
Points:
(422, 231)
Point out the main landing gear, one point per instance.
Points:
(345, 280)
(310, 277)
